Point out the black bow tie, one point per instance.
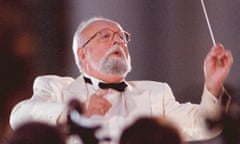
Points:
(116, 86)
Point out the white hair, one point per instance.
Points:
(78, 40)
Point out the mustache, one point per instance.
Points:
(115, 48)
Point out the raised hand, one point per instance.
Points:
(217, 65)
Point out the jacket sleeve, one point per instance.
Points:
(46, 103)
(191, 118)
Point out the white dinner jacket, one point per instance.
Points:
(143, 98)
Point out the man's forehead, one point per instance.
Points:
(101, 24)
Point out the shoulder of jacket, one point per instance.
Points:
(64, 80)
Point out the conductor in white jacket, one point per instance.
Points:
(101, 53)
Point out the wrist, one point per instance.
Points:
(62, 118)
(86, 111)
(215, 90)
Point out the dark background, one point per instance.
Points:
(170, 40)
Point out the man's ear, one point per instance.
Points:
(81, 52)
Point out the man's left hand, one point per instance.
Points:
(217, 65)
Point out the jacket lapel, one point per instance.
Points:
(138, 100)
(77, 90)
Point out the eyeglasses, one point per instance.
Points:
(106, 35)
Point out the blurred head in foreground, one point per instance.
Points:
(37, 133)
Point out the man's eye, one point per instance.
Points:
(122, 37)
(106, 36)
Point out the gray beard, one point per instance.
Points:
(114, 66)
(111, 65)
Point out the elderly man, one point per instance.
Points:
(101, 53)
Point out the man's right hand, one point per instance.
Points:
(97, 104)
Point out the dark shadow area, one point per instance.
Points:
(25, 32)
(18, 47)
